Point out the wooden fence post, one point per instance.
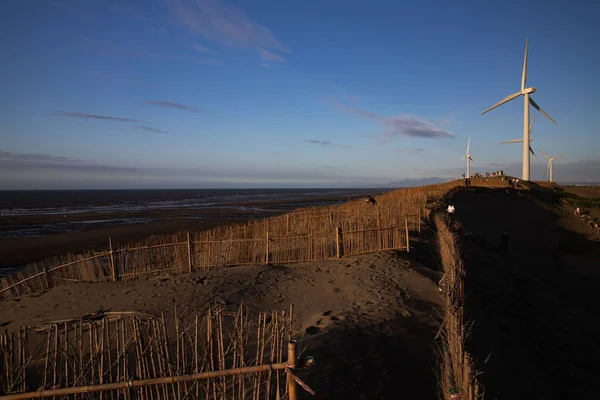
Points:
(291, 364)
(339, 242)
(267, 248)
(419, 216)
(287, 223)
(379, 238)
(46, 277)
(189, 250)
(112, 260)
(407, 241)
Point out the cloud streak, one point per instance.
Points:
(109, 48)
(410, 151)
(9, 157)
(319, 142)
(150, 129)
(227, 26)
(327, 143)
(71, 114)
(407, 125)
(268, 56)
(170, 104)
(201, 48)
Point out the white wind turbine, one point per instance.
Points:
(520, 140)
(525, 92)
(550, 163)
(467, 156)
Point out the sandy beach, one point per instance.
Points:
(357, 316)
(95, 228)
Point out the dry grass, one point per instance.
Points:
(121, 347)
(457, 376)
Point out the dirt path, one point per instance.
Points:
(368, 320)
(535, 310)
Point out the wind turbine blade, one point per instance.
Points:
(555, 157)
(534, 104)
(471, 159)
(544, 154)
(512, 141)
(536, 157)
(505, 100)
(524, 79)
(531, 125)
(468, 145)
(463, 157)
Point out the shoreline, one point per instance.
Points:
(20, 251)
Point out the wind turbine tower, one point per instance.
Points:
(525, 92)
(521, 140)
(550, 164)
(467, 156)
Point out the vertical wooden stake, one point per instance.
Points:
(189, 250)
(379, 241)
(406, 227)
(267, 248)
(338, 239)
(291, 361)
(112, 260)
(46, 277)
(419, 215)
(287, 223)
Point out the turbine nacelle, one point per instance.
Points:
(528, 90)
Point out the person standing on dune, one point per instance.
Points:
(450, 211)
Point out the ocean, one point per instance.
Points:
(37, 213)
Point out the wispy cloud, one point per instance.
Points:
(319, 142)
(407, 125)
(108, 48)
(225, 25)
(9, 157)
(201, 48)
(410, 151)
(327, 143)
(71, 114)
(171, 104)
(268, 56)
(150, 129)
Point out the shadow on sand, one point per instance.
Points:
(387, 360)
(534, 310)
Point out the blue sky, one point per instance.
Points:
(209, 93)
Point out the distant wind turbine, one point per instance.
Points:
(525, 92)
(467, 156)
(520, 140)
(550, 163)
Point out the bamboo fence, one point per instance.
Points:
(457, 374)
(306, 234)
(215, 355)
